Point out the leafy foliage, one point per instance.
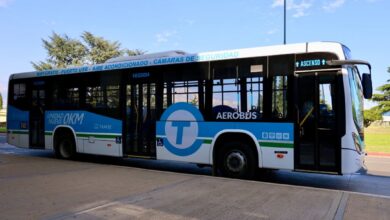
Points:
(383, 99)
(64, 51)
(134, 52)
(372, 115)
(99, 50)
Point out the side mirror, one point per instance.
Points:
(367, 85)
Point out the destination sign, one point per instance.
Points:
(309, 61)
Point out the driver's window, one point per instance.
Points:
(326, 105)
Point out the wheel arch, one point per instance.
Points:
(222, 134)
(67, 128)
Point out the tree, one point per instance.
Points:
(99, 50)
(384, 98)
(134, 52)
(64, 51)
(1, 101)
(372, 115)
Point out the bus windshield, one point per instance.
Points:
(357, 99)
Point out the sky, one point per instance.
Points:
(194, 26)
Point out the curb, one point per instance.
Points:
(378, 154)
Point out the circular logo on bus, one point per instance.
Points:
(181, 129)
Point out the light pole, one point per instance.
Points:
(284, 22)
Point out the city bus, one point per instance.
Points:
(296, 107)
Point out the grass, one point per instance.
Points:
(3, 129)
(377, 139)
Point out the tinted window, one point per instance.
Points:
(65, 97)
(279, 97)
(281, 68)
(237, 89)
(18, 95)
(19, 91)
(356, 98)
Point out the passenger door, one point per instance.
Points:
(140, 119)
(319, 142)
(37, 113)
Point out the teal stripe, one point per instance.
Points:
(18, 132)
(276, 144)
(108, 136)
(97, 135)
(207, 141)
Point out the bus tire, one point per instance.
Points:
(65, 147)
(236, 160)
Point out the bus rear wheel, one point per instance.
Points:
(65, 147)
(236, 160)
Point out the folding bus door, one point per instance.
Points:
(37, 132)
(319, 145)
(140, 119)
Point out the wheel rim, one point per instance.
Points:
(236, 161)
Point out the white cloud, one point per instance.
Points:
(334, 4)
(299, 8)
(272, 31)
(5, 3)
(277, 3)
(165, 36)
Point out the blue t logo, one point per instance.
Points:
(180, 127)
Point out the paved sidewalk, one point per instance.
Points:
(36, 188)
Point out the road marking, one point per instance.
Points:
(341, 207)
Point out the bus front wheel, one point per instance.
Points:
(236, 160)
(65, 147)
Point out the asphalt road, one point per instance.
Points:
(37, 186)
(375, 181)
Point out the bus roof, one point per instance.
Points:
(178, 57)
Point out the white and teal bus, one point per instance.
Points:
(297, 107)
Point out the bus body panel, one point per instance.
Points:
(182, 135)
(237, 132)
(332, 47)
(17, 127)
(95, 134)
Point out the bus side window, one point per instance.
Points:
(18, 96)
(94, 97)
(279, 97)
(253, 87)
(280, 68)
(238, 87)
(112, 92)
(19, 91)
(65, 97)
(254, 95)
(185, 91)
(226, 88)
